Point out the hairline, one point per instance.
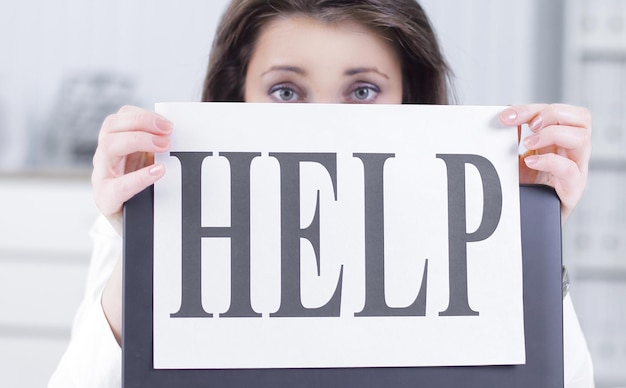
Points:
(323, 16)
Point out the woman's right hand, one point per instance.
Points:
(123, 164)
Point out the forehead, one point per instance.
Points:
(312, 41)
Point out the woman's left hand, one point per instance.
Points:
(558, 149)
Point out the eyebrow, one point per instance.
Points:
(301, 71)
(293, 69)
(360, 70)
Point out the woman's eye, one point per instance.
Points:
(282, 93)
(362, 93)
(365, 93)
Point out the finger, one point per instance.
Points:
(541, 115)
(565, 176)
(559, 166)
(120, 144)
(106, 168)
(134, 119)
(520, 114)
(110, 194)
(574, 139)
(560, 114)
(574, 142)
(122, 156)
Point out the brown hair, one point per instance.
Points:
(425, 71)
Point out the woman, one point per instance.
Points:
(323, 51)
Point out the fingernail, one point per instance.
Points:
(531, 141)
(509, 115)
(531, 160)
(163, 124)
(157, 169)
(536, 124)
(160, 141)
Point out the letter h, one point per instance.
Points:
(193, 232)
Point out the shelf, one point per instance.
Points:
(603, 274)
(608, 164)
(603, 52)
(46, 174)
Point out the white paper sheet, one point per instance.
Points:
(416, 230)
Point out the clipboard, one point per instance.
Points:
(543, 319)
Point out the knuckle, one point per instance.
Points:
(126, 108)
(553, 162)
(119, 189)
(117, 185)
(108, 123)
(137, 140)
(94, 162)
(572, 170)
(587, 117)
(100, 199)
(140, 119)
(104, 144)
(555, 109)
(586, 139)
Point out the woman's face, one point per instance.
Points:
(299, 59)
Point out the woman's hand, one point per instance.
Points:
(123, 161)
(558, 149)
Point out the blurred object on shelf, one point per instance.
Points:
(70, 135)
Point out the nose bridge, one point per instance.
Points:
(326, 100)
(326, 85)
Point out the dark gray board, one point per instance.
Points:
(543, 320)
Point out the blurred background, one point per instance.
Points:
(67, 64)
